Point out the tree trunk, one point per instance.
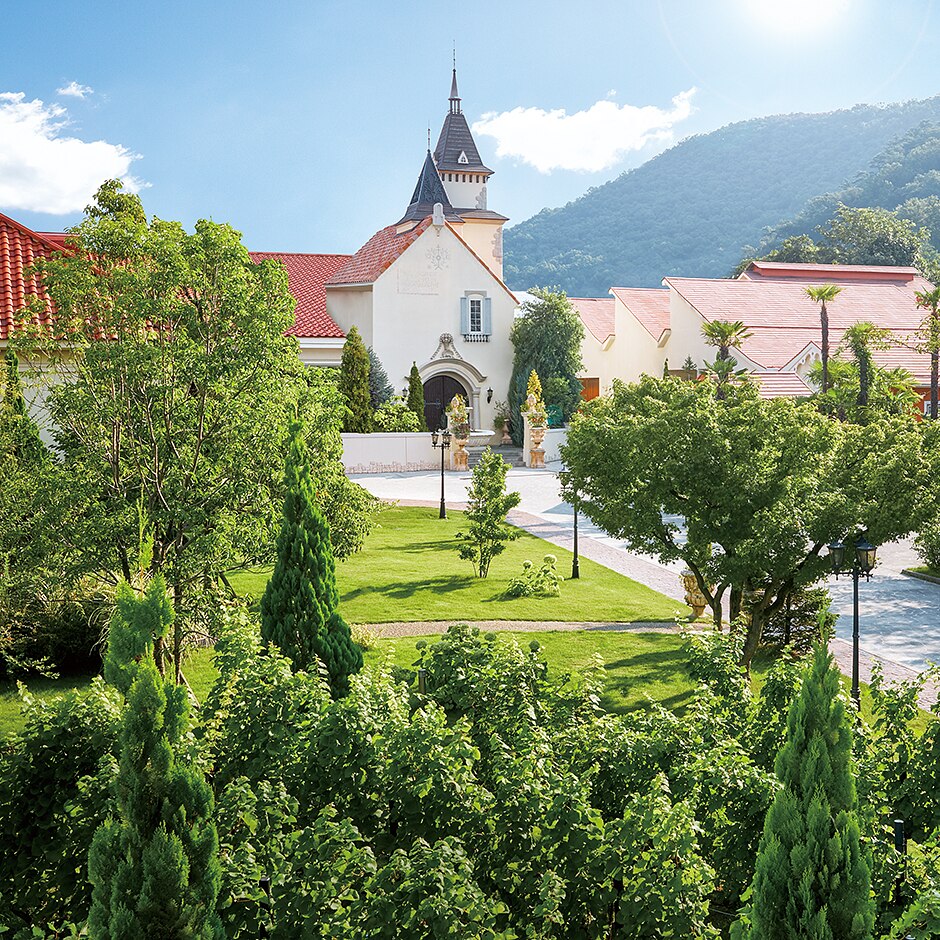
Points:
(178, 633)
(752, 639)
(824, 323)
(863, 381)
(734, 605)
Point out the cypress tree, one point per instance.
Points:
(812, 876)
(380, 389)
(416, 394)
(354, 384)
(154, 866)
(298, 609)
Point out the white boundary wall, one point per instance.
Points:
(389, 453)
(554, 438)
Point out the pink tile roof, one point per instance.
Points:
(307, 276)
(780, 384)
(377, 255)
(650, 305)
(597, 314)
(19, 248)
(834, 273)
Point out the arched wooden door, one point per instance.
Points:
(438, 392)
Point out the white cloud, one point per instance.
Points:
(74, 90)
(42, 169)
(588, 140)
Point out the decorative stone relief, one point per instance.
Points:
(445, 348)
(438, 258)
(416, 282)
(498, 243)
(481, 198)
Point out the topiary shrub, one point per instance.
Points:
(395, 417)
(416, 395)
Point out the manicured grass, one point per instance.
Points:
(410, 571)
(926, 569)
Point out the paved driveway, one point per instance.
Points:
(899, 616)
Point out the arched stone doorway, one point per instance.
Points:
(438, 392)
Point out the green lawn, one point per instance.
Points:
(410, 571)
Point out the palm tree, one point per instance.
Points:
(861, 339)
(822, 295)
(930, 338)
(726, 335)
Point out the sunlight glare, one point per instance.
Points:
(797, 16)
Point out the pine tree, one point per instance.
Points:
(416, 394)
(354, 384)
(812, 876)
(380, 389)
(298, 609)
(154, 866)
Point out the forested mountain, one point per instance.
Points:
(904, 177)
(694, 209)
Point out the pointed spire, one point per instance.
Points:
(428, 191)
(454, 94)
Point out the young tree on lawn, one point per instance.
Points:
(547, 338)
(487, 505)
(813, 876)
(823, 295)
(380, 389)
(416, 394)
(763, 486)
(154, 866)
(930, 338)
(181, 387)
(298, 609)
(354, 384)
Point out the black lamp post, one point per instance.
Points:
(441, 439)
(575, 563)
(862, 563)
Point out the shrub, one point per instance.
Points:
(811, 621)
(354, 384)
(380, 389)
(544, 581)
(396, 416)
(416, 395)
(487, 505)
(927, 544)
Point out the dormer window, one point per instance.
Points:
(463, 157)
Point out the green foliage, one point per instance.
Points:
(380, 389)
(546, 338)
(813, 874)
(153, 865)
(55, 779)
(544, 581)
(806, 619)
(725, 335)
(730, 185)
(763, 486)
(487, 506)
(416, 395)
(927, 543)
(298, 609)
(396, 416)
(354, 384)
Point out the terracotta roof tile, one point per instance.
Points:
(650, 305)
(597, 314)
(780, 384)
(19, 248)
(377, 255)
(307, 276)
(834, 273)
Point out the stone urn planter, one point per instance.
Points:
(693, 596)
(460, 456)
(537, 452)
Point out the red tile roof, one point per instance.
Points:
(377, 255)
(780, 385)
(19, 248)
(650, 305)
(828, 273)
(597, 314)
(307, 276)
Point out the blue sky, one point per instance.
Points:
(304, 124)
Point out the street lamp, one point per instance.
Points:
(862, 563)
(575, 563)
(441, 439)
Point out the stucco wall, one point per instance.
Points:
(486, 239)
(418, 298)
(386, 453)
(351, 306)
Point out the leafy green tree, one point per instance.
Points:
(416, 394)
(181, 418)
(380, 389)
(861, 339)
(813, 875)
(354, 384)
(822, 295)
(930, 339)
(487, 506)
(547, 339)
(298, 609)
(763, 486)
(154, 865)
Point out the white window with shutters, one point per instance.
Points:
(476, 317)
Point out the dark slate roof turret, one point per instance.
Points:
(429, 190)
(456, 141)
